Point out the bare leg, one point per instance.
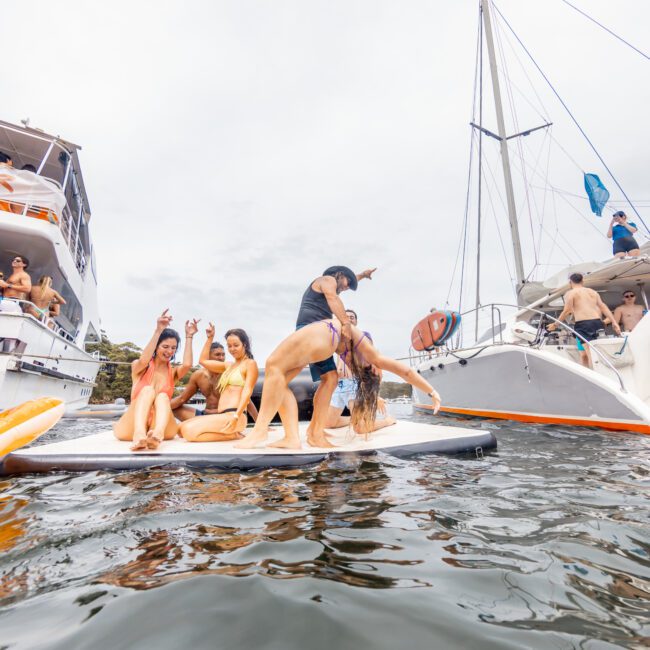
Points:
(183, 413)
(334, 418)
(585, 358)
(273, 395)
(162, 416)
(322, 398)
(209, 428)
(376, 425)
(141, 410)
(289, 415)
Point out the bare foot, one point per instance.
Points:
(319, 440)
(253, 439)
(286, 443)
(153, 440)
(139, 444)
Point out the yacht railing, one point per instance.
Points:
(48, 321)
(495, 337)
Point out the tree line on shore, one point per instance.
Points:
(114, 380)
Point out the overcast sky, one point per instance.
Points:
(234, 149)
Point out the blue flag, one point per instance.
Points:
(597, 193)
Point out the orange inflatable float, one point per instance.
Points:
(24, 423)
(433, 330)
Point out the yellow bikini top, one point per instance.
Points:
(231, 377)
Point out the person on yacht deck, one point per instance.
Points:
(42, 296)
(235, 386)
(18, 286)
(629, 314)
(621, 232)
(149, 419)
(588, 309)
(312, 344)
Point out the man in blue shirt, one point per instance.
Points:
(622, 233)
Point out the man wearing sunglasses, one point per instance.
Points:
(629, 313)
(17, 286)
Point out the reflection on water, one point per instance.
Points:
(544, 543)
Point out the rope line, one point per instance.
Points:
(609, 31)
(575, 121)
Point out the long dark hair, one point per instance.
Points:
(244, 338)
(168, 333)
(364, 410)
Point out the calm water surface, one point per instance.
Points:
(544, 543)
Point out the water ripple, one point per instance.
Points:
(544, 543)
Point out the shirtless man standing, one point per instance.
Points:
(587, 309)
(629, 313)
(205, 382)
(18, 285)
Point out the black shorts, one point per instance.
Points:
(625, 245)
(588, 329)
(320, 368)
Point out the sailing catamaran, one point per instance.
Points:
(516, 369)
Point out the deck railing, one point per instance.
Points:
(495, 337)
(48, 321)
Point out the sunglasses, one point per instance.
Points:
(628, 295)
(18, 259)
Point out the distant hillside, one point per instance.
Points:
(393, 389)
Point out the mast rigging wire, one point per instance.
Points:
(609, 31)
(575, 121)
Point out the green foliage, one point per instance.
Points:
(393, 389)
(114, 380)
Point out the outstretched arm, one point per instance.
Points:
(209, 364)
(140, 365)
(366, 274)
(409, 375)
(191, 328)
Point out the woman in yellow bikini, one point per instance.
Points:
(235, 389)
(149, 419)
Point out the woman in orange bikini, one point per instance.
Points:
(235, 389)
(149, 419)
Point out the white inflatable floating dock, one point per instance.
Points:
(102, 451)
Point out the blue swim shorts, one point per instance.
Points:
(345, 392)
(198, 412)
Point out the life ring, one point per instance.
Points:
(24, 423)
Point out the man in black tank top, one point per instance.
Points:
(320, 302)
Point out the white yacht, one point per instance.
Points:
(504, 364)
(44, 216)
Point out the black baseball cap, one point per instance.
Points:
(347, 272)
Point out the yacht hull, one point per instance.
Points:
(529, 385)
(37, 362)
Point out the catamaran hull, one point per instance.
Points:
(519, 383)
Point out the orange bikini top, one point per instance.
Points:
(147, 379)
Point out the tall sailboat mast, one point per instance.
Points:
(503, 141)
